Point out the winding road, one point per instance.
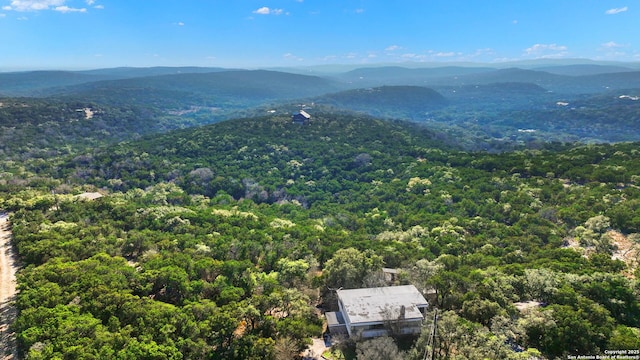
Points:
(8, 313)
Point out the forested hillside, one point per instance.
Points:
(403, 102)
(220, 241)
(32, 128)
(483, 108)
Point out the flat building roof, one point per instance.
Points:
(380, 304)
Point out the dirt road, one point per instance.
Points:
(8, 268)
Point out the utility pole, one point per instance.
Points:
(434, 333)
(431, 355)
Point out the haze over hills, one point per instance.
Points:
(397, 75)
(585, 69)
(246, 84)
(485, 107)
(564, 65)
(384, 100)
(131, 72)
(43, 83)
(497, 96)
(36, 83)
(560, 73)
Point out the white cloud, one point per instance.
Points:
(263, 11)
(611, 45)
(65, 9)
(290, 56)
(359, 11)
(481, 52)
(38, 5)
(616, 10)
(547, 51)
(90, 2)
(543, 47)
(446, 54)
(180, 23)
(268, 11)
(612, 50)
(485, 54)
(393, 48)
(33, 5)
(99, 7)
(614, 55)
(414, 57)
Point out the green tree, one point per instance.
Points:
(382, 348)
(624, 338)
(349, 268)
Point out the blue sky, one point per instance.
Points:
(82, 34)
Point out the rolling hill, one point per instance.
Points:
(38, 83)
(217, 94)
(496, 96)
(397, 75)
(585, 69)
(247, 84)
(45, 83)
(406, 102)
(569, 80)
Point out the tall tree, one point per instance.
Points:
(349, 268)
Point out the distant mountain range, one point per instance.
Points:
(380, 101)
(585, 69)
(233, 90)
(554, 76)
(43, 83)
(552, 100)
(589, 79)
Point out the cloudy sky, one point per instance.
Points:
(77, 34)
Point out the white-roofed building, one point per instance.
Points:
(372, 312)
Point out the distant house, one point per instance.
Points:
(372, 312)
(390, 275)
(301, 118)
(89, 196)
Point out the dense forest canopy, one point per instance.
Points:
(224, 240)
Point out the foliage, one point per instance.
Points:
(217, 242)
(383, 348)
